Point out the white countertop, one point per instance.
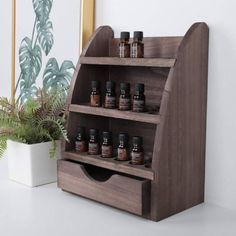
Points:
(48, 211)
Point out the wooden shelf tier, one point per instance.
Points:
(116, 61)
(117, 114)
(111, 164)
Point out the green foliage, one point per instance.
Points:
(55, 77)
(39, 119)
(30, 56)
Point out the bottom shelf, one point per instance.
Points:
(141, 171)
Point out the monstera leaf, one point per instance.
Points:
(45, 35)
(42, 9)
(27, 92)
(55, 77)
(30, 59)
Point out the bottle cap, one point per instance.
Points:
(81, 130)
(138, 35)
(95, 84)
(110, 85)
(124, 35)
(93, 132)
(107, 135)
(137, 140)
(124, 137)
(125, 87)
(139, 88)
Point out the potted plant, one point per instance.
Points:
(30, 132)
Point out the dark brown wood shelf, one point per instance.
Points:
(174, 73)
(111, 164)
(116, 61)
(113, 113)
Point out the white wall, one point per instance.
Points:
(171, 17)
(5, 48)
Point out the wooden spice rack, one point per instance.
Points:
(174, 72)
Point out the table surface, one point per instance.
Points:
(47, 210)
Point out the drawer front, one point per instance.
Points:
(119, 191)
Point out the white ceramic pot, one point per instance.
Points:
(31, 164)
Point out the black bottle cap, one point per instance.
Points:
(125, 87)
(139, 88)
(138, 35)
(137, 140)
(124, 137)
(110, 85)
(93, 132)
(95, 84)
(124, 35)
(81, 130)
(107, 135)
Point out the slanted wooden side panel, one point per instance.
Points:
(179, 152)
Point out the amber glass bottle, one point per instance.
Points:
(95, 96)
(137, 47)
(80, 143)
(93, 146)
(123, 148)
(139, 98)
(107, 150)
(137, 157)
(110, 98)
(125, 98)
(124, 45)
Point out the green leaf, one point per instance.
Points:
(30, 59)
(42, 9)
(57, 78)
(45, 35)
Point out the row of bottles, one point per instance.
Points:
(106, 149)
(134, 50)
(137, 104)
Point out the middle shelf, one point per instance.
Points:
(113, 113)
(111, 164)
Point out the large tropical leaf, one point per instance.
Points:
(57, 78)
(45, 35)
(30, 59)
(42, 9)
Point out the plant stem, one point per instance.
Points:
(32, 38)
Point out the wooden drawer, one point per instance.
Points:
(126, 193)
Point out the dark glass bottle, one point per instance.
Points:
(124, 45)
(80, 143)
(137, 156)
(95, 96)
(139, 98)
(123, 148)
(93, 146)
(137, 47)
(125, 98)
(107, 150)
(110, 97)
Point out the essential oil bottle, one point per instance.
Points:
(107, 150)
(95, 96)
(93, 146)
(123, 148)
(137, 47)
(80, 143)
(125, 98)
(139, 98)
(110, 98)
(124, 45)
(137, 156)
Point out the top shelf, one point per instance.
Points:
(116, 61)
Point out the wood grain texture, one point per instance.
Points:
(118, 191)
(146, 62)
(117, 114)
(111, 164)
(180, 143)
